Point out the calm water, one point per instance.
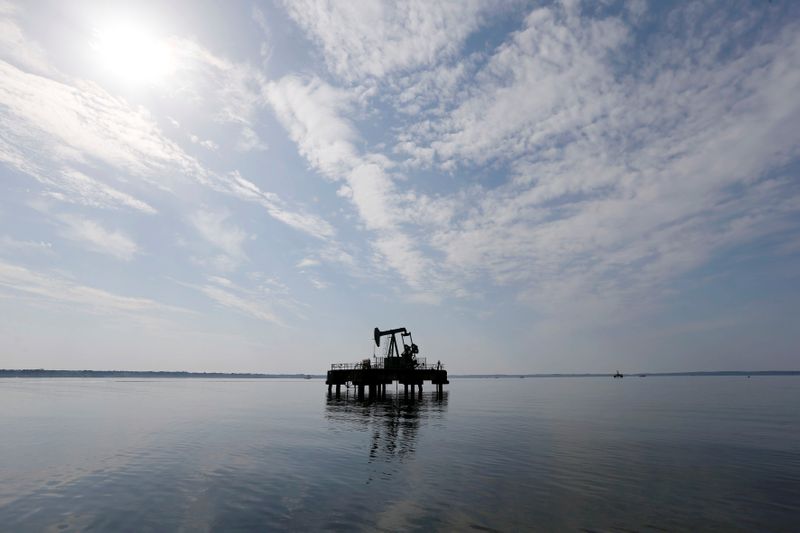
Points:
(716, 453)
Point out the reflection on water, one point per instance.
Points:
(682, 454)
(393, 423)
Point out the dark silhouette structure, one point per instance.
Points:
(402, 366)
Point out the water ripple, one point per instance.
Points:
(714, 454)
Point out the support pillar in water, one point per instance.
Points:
(338, 389)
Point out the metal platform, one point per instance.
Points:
(374, 374)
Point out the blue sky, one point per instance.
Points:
(529, 187)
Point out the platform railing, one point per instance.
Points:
(379, 363)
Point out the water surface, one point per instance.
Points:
(677, 453)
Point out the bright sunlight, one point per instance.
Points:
(133, 54)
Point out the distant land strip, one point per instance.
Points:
(43, 373)
(640, 374)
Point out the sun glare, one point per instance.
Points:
(133, 54)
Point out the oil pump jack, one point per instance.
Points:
(394, 358)
(399, 365)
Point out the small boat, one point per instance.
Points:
(618, 375)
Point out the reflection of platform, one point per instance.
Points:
(393, 423)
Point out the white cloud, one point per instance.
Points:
(318, 283)
(79, 188)
(231, 89)
(216, 229)
(95, 237)
(207, 143)
(335, 254)
(82, 124)
(431, 90)
(312, 112)
(261, 20)
(219, 280)
(77, 123)
(249, 141)
(251, 308)
(308, 223)
(566, 167)
(427, 298)
(10, 244)
(57, 288)
(17, 47)
(307, 262)
(255, 302)
(67, 184)
(533, 89)
(619, 182)
(84, 121)
(376, 38)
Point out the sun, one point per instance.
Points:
(132, 53)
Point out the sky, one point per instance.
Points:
(526, 186)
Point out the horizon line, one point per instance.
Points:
(188, 373)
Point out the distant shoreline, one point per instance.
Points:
(44, 373)
(640, 374)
